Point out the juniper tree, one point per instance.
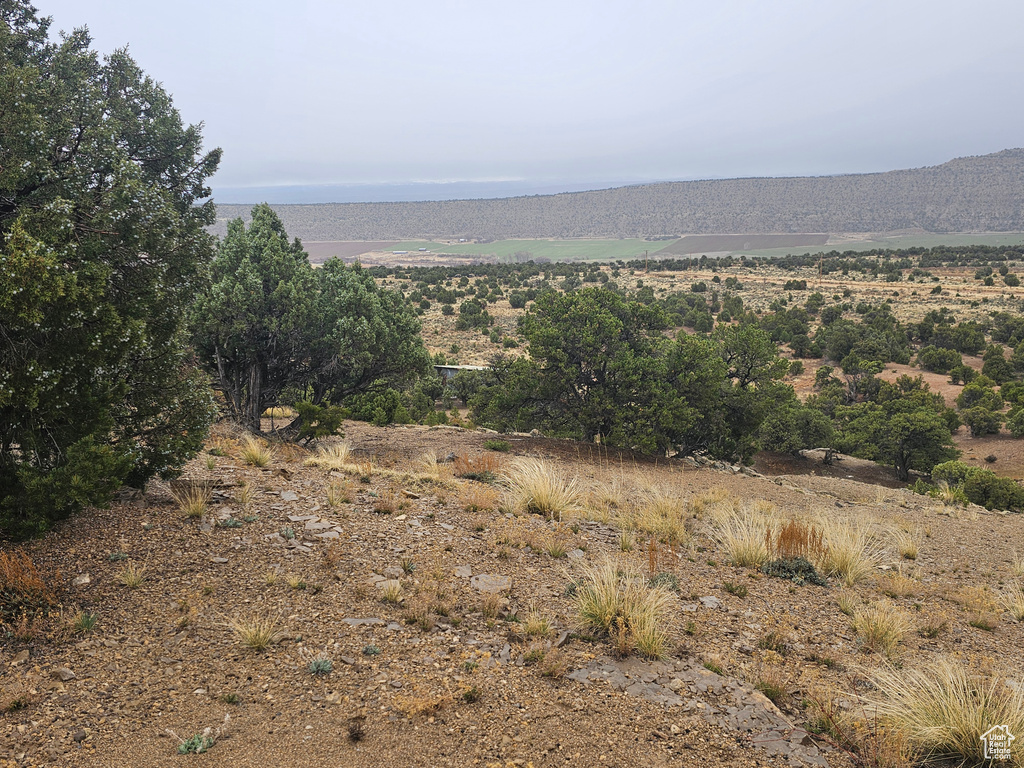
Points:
(104, 244)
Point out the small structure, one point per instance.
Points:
(447, 371)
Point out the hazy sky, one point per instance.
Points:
(305, 92)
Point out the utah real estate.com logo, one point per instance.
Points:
(997, 742)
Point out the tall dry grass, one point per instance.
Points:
(943, 709)
(540, 488)
(618, 602)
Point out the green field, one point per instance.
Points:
(897, 241)
(555, 250)
(633, 248)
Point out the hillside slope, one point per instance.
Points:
(971, 194)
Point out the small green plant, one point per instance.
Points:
(371, 650)
(83, 622)
(501, 446)
(116, 556)
(251, 518)
(195, 745)
(408, 566)
(287, 533)
(690, 628)
(230, 522)
(739, 590)
(228, 698)
(321, 665)
(471, 695)
(712, 667)
(470, 666)
(773, 641)
(667, 580)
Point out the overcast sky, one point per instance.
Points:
(306, 92)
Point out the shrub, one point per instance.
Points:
(502, 446)
(23, 587)
(943, 710)
(621, 605)
(799, 570)
(981, 486)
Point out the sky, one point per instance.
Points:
(563, 94)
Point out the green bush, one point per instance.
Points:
(501, 446)
(799, 570)
(981, 486)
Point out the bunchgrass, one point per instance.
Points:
(132, 575)
(880, 627)
(257, 631)
(942, 709)
(82, 622)
(745, 535)
(1013, 600)
(620, 604)
(255, 452)
(850, 553)
(538, 487)
(192, 497)
(336, 456)
(663, 514)
(906, 543)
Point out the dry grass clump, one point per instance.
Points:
(537, 487)
(906, 543)
(485, 467)
(942, 709)
(1013, 599)
(431, 468)
(22, 586)
(717, 500)
(1017, 565)
(744, 535)
(981, 605)
(619, 603)
(850, 553)
(662, 514)
(478, 498)
(391, 591)
(255, 452)
(280, 412)
(338, 493)
(336, 456)
(192, 496)
(386, 503)
(132, 575)
(256, 631)
(880, 627)
(795, 539)
(897, 585)
(537, 625)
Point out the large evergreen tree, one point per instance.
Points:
(273, 330)
(104, 245)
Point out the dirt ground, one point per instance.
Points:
(448, 675)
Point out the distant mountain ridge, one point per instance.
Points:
(968, 194)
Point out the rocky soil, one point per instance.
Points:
(450, 674)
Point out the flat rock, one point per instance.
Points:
(289, 496)
(362, 622)
(63, 674)
(82, 580)
(710, 601)
(20, 657)
(463, 571)
(491, 583)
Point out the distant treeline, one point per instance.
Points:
(973, 194)
(875, 262)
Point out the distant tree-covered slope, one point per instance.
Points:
(970, 194)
